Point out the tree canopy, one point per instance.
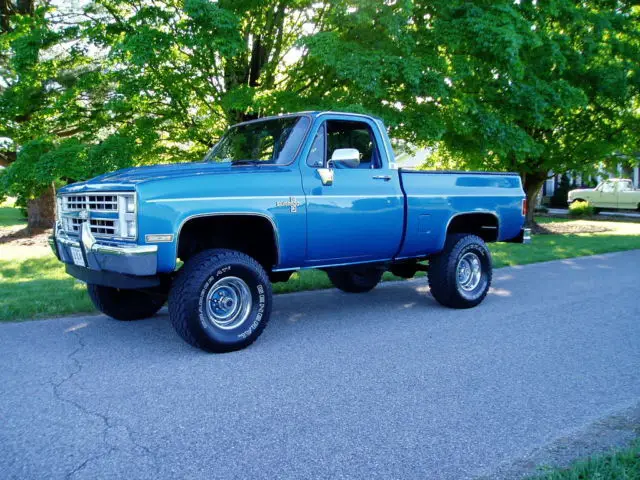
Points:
(526, 85)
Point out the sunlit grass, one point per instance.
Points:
(622, 465)
(554, 247)
(33, 284)
(39, 287)
(10, 216)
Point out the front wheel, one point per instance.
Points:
(220, 300)
(460, 276)
(357, 280)
(123, 304)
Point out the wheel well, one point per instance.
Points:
(484, 225)
(579, 200)
(250, 234)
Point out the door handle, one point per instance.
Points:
(386, 178)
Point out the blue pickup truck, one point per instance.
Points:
(273, 196)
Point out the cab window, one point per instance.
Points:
(317, 153)
(350, 134)
(624, 186)
(608, 187)
(335, 134)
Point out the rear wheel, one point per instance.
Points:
(220, 300)
(357, 280)
(460, 276)
(123, 304)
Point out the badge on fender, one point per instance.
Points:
(293, 203)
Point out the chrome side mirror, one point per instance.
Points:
(326, 176)
(345, 158)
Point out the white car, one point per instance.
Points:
(612, 193)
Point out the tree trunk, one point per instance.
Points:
(7, 158)
(41, 212)
(532, 185)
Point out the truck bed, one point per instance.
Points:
(434, 198)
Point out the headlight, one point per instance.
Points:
(130, 204)
(131, 228)
(127, 215)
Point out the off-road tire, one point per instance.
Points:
(188, 302)
(358, 280)
(443, 270)
(124, 304)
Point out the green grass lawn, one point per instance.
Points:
(34, 284)
(621, 465)
(10, 216)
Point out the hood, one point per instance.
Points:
(128, 178)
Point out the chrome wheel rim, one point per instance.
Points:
(469, 272)
(228, 303)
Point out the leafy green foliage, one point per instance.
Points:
(528, 86)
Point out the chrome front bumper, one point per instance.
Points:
(102, 256)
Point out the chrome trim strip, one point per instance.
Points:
(227, 214)
(201, 199)
(124, 250)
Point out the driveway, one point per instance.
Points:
(381, 385)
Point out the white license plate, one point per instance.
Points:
(76, 254)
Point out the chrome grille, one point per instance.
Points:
(108, 215)
(93, 203)
(97, 226)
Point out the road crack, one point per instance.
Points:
(107, 423)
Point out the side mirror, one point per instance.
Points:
(345, 158)
(326, 176)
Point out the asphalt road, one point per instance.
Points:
(381, 385)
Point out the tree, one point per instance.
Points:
(530, 86)
(541, 86)
(42, 74)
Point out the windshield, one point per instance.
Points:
(273, 141)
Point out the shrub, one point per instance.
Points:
(581, 209)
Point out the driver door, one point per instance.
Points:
(608, 195)
(359, 217)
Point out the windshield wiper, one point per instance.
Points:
(246, 162)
